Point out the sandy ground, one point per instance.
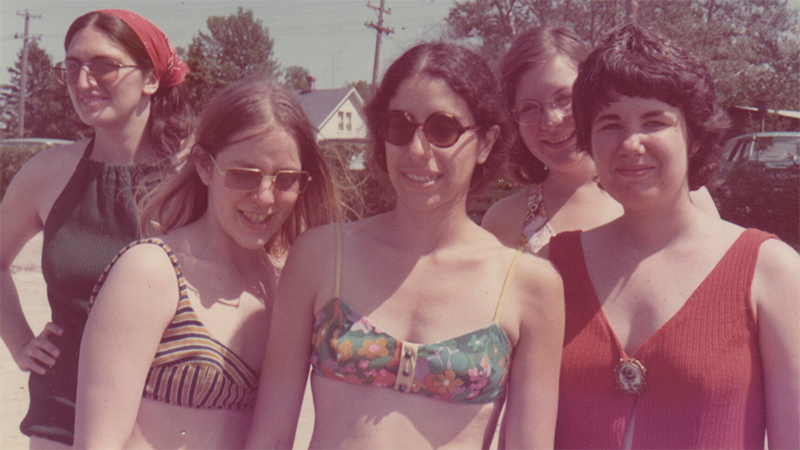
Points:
(27, 275)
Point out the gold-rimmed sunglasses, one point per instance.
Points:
(247, 179)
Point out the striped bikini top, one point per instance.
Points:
(190, 367)
(468, 369)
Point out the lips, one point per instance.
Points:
(254, 218)
(634, 170)
(560, 139)
(421, 179)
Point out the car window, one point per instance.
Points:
(779, 148)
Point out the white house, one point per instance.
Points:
(337, 114)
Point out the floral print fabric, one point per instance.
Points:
(466, 369)
(536, 230)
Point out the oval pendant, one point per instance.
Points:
(630, 375)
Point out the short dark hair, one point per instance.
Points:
(637, 62)
(168, 124)
(534, 48)
(468, 75)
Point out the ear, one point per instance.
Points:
(487, 142)
(202, 163)
(150, 83)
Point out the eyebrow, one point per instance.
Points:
(646, 115)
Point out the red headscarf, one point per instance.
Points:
(169, 69)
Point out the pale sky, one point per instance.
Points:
(328, 37)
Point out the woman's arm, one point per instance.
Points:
(776, 297)
(286, 361)
(127, 321)
(532, 405)
(22, 215)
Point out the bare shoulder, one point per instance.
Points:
(777, 274)
(505, 218)
(143, 275)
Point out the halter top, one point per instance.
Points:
(190, 367)
(469, 369)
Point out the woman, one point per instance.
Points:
(124, 79)
(537, 74)
(681, 328)
(425, 273)
(166, 364)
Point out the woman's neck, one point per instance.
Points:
(565, 182)
(426, 231)
(128, 143)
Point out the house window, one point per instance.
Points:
(349, 120)
(341, 120)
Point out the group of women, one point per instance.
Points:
(659, 325)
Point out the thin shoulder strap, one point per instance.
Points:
(509, 275)
(338, 272)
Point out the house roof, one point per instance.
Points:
(319, 104)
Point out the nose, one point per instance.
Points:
(265, 194)
(632, 144)
(552, 118)
(85, 78)
(419, 149)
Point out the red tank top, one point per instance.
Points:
(704, 386)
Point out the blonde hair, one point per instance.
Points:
(181, 197)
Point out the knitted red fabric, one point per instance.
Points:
(704, 386)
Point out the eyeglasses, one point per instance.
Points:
(248, 179)
(101, 70)
(530, 112)
(440, 129)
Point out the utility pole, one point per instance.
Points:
(380, 29)
(631, 9)
(23, 84)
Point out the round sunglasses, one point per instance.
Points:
(248, 179)
(440, 129)
(101, 70)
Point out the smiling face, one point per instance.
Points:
(640, 147)
(552, 140)
(114, 104)
(424, 175)
(251, 218)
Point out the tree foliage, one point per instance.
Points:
(751, 47)
(236, 46)
(48, 109)
(296, 77)
(363, 88)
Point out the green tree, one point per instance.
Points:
(48, 109)
(236, 46)
(752, 48)
(296, 77)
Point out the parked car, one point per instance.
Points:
(35, 141)
(758, 184)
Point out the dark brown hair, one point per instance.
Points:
(637, 62)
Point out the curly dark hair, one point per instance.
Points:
(534, 48)
(170, 115)
(468, 75)
(637, 62)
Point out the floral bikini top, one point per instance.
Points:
(470, 369)
(536, 230)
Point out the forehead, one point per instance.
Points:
(556, 74)
(91, 42)
(268, 147)
(623, 105)
(423, 95)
